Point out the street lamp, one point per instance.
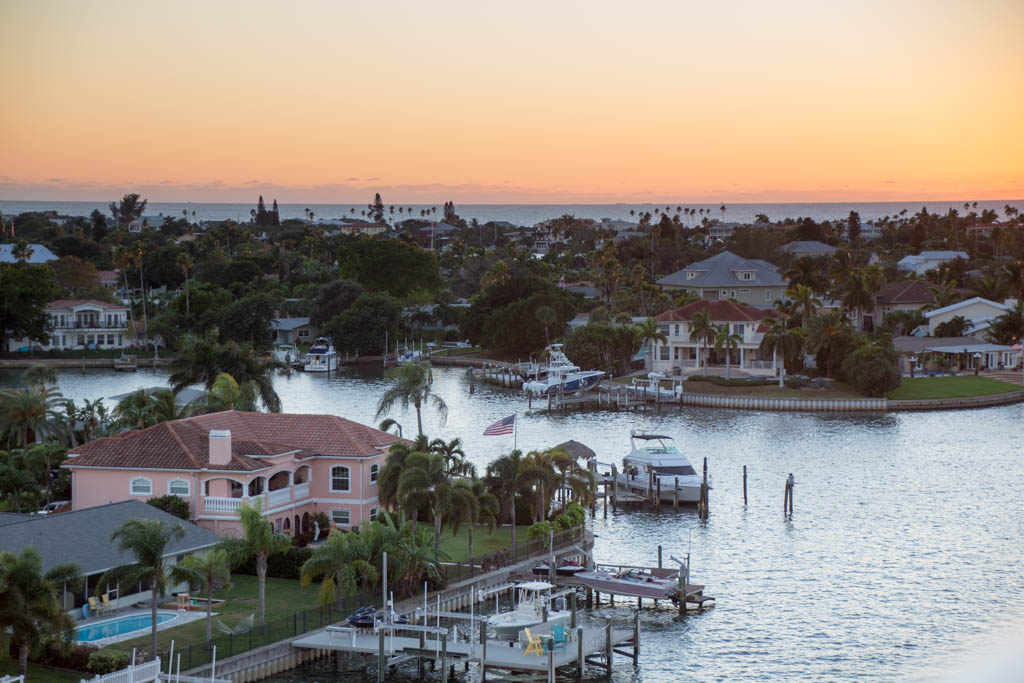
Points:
(977, 362)
(913, 362)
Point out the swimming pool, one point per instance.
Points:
(120, 626)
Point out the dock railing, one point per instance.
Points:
(467, 569)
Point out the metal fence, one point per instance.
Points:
(474, 566)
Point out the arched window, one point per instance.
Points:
(141, 486)
(374, 469)
(178, 487)
(339, 478)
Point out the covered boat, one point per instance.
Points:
(561, 374)
(533, 598)
(657, 454)
(633, 582)
(321, 357)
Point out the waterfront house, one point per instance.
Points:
(978, 312)
(683, 355)
(298, 465)
(751, 282)
(83, 537)
(929, 260)
(77, 324)
(293, 330)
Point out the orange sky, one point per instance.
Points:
(512, 102)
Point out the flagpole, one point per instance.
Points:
(515, 431)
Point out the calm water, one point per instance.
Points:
(529, 214)
(902, 560)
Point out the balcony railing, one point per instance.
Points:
(271, 499)
(279, 497)
(89, 326)
(300, 490)
(217, 504)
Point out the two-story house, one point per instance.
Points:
(905, 295)
(752, 282)
(684, 355)
(297, 465)
(77, 324)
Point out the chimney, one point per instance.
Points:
(220, 447)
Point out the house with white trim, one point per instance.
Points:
(77, 324)
(297, 465)
(978, 312)
(752, 282)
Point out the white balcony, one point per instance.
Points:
(279, 497)
(300, 490)
(218, 504)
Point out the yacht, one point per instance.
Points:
(286, 353)
(657, 454)
(635, 583)
(561, 374)
(533, 597)
(321, 357)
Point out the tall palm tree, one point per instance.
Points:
(781, 340)
(147, 541)
(259, 541)
(989, 287)
(227, 394)
(391, 472)
(945, 294)
(546, 480)
(25, 412)
(804, 301)
(806, 271)
(43, 459)
(648, 332)
(704, 331)
(828, 333)
(729, 341)
(29, 604)
(859, 292)
(202, 359)
(455, 463)
(425, 482)
(508, 478)
(185, 262)
(484, 508)
(339, 564)
(411, 385)
(206, 571)
(40, 376)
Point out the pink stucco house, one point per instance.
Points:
(297, 464)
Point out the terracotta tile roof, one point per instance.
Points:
(905, 292)
(720, 311)
(184, 444)
(63, 304)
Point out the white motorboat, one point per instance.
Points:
(321, 357)
(635, 583)
(286, 353)
(657, 454)
(561, 374)
(533, 598)
(651, 387)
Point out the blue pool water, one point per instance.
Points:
(120, 626)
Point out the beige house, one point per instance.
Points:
(751, 282)
(906, 295)
(978, 312)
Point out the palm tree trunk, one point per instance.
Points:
(23, 659)
(261, 576)
(187, 307)
(779, 370)
(209, 612)
(419, 419)
(437, 538)
(471, 546)
(513, 523)
(153, 605)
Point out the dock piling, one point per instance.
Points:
(636, 638)
(579, 655)
(787, 503)
(744, 486)
(659, 557)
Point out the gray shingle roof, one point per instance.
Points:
(40, 254)
(807, 247)
(288, 323)
(723, 270)
(83, 536)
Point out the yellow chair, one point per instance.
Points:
(534, 644)
(94, 606)
(106, 602)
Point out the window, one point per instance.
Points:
(178, 487)
(373, 514)
(339, 479)
(746, 275)
(691, 274)
(675, 353)
(340, 517)
(303, 334)
(737, 329)
(374, 469)
(142, 486)
(664, 352)
(768, 295)
(676, 333)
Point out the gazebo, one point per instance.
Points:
(577, 450)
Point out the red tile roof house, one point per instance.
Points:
(682, 355)
(297, 464)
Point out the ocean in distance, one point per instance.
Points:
(526, 214)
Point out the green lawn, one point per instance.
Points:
(950, 387)
(37, 673)
(838, 390)
(284, 598)
(484, 541)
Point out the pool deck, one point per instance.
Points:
(180, 618)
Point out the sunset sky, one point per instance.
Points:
(487, 102)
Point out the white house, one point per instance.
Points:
(978, 312)
(929, 260)
(77, 324)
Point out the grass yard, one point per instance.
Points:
(950, 387)
(37, 673)
(484, 541)
(838, 390)
(284, 598)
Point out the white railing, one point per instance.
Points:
(278, 497)
(12, 679)
(143, 673)
(761, 364)
(301, 490)
(218, 504)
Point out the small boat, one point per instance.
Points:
(657, 454)
(636, 583)
(321, 357)
(562, 375)
(366, 617)
(125, 363)
(651, 387)
(286, 353)
(533, 598)
(564, 568)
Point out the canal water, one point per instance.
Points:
(902, 560)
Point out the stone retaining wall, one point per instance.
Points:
(962, 402)
(800, 404)
(73, 363)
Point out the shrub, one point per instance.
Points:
(108, 660)
(797, 381)
(873, 370)
(731, 381)
(55, 651)
(539, 531)
(175, 505)
(286, 565)
(563, 521)
(578, 514)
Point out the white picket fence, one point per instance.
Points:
(12, 679)
(135, 673)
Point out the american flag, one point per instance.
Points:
(505, 425)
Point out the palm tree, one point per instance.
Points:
(44, 458)
(206, 571)
(202, 359)
(945, 294)
(29, 604)
(259, 541)
(40, 375)
(648, 332)
(227, 394)
(25, 412)
(547, 478)
(185, 263)
(702, 330)
(509, 477)
(484, 507)
(412, 385)
(148, 541)
(455, 463)
(859, 291)
(1009, 327)
(828, 334)
(807, 271)
(424, 482)
(729, 341)
(804, 301)
(781, 340)
(339, 564)
(22, 251)
(989, 287)
(387, 479)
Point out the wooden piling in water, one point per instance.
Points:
(675, 495)
(659, 557)
(608, 649)
(579, 655)
(787, 502)
(636, 638)
(744, 486)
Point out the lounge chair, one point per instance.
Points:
(533, 644)
(94, 605)
(106, 601)
(557, 637)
